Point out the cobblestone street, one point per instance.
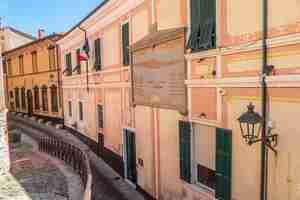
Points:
(37, 176)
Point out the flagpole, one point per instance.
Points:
(87, 61)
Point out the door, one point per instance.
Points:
(29, 102)
(130, 156)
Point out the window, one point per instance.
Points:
(21, 64)
(54, 98)
(4, 66)
(125, 44)
(98, 54)
(11, 94)
(17, 98)
(205, 158)
(44, 98)
(78, 64)
(34, 61)
(70, 108)
(80, 111)
(68, 60)
(36, 97)
(9, 69)
(203, 25)
(100, 116)
(23, 98)
(51, 52)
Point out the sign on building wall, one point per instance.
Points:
(159, 71)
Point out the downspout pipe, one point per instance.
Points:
(59, 80)
(264, 74)
(87, 62)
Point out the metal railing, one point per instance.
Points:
(72, 156)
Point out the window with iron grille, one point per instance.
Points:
(80, 111)
(36, 97)
(100, 116)
(23, 98)
(203, 25)
(98, 54)
(17, 98)
(45, 98)
(54, 98)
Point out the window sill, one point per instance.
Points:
(201, 189)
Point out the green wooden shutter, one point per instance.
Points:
(98, 54)
(185, 150)
(223, 163)
(203, 18)
(125, 43)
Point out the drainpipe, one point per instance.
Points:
(87, 62)
(264, 73)
(59, 81)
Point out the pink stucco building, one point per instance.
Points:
(165, 83)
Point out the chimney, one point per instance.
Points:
(41, 33)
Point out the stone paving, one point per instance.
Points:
(37, 176)
(107, 184)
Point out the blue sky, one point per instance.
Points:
(51, 15)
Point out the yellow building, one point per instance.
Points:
(33, 78)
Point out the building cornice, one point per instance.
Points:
(286, 40)
(244, 82)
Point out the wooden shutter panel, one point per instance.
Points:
(223, 163)
(203, 20)
(125, 41)
(98, 54)
(185, 150)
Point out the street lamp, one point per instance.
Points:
(251, 126)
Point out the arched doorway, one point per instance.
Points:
(29, 102)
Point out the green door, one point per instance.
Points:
(130, 156)
(223, 163)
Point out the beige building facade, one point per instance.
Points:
(9, 38)
(33, 78)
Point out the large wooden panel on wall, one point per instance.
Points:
(159, 74)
